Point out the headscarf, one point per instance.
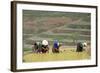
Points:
(44, 42)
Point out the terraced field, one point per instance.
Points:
(67, 27)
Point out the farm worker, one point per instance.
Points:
(37, 47)
(45, 46)
(56, 46)
(80, 46)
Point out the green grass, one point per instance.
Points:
(27, 49)
(79, 26)
(61, 37)
(68, 54)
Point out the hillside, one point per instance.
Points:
(67, 27)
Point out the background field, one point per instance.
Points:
(67, 27)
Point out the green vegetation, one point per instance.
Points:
(78, 26)
(27, 49)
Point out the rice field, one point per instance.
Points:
(65, 54)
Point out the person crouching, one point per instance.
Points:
(37, 47)
(80, 46)
(56, 46)
(45, 46)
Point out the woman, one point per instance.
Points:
(37, 47)
(56, 46)
(45, 46)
